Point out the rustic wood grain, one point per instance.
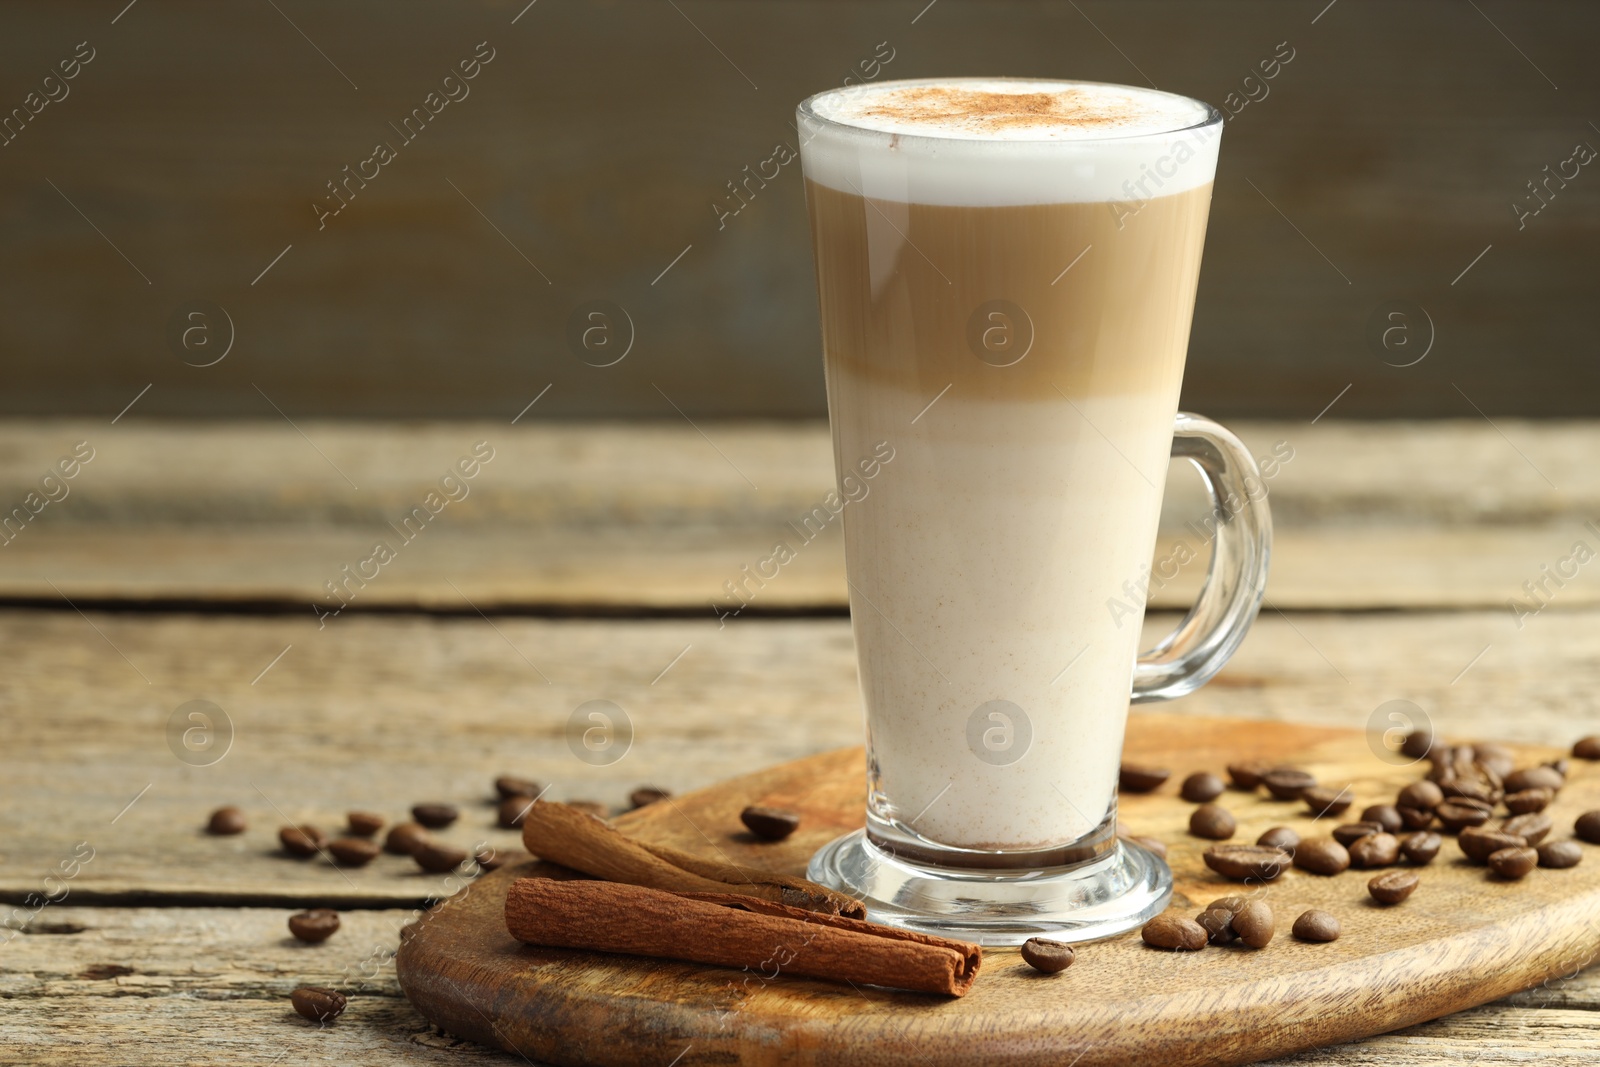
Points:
(1461, 940)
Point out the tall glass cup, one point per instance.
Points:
(1007, 275)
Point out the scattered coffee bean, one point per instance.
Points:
(591, 807)
(1248, 774)
(1158, 847)
(315, 925)
(364, 823)
(1137, 778)
(437, 858)
(1253, 923)
(1375, 850)
(1514, 862)
(512, 811)
(1218, 925)
(1247, 862)
(405, 838)
(317, 1003)
(1349, 833)
(353, 851)
(1045, 955)
(488, 859)
(1560, 854)
(1287, 783)
(1229, 904)
(1478, 842)
(1415, 818)
(1200, 787)
(1212, 822)
(770, 824)
(1478, 784)
(1497, 758)
(226, 821)
(1532, 827)
(1587, 747)
(1535, 778)
(1391, 887)
(509, 785)
(1325, 801)
(1317, 925)
(435, 816)
(301, 840)
(647, 794)
(1588, 827)
(1386, 816)
(1323, 856)
(1528, 801)
(1174, 932)
(1417, 745)
(1456, 817)
(1421, 847)
(1424, 795)
(1279, 837)
(1562, 766)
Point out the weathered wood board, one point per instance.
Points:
(1464, 938)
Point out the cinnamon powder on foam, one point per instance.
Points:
(979, 110)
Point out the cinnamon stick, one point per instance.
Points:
(735, 930)
(573, 838)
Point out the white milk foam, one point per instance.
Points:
(982, 142)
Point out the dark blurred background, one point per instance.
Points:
(1379, 168)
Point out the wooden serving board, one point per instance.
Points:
(1463, 938)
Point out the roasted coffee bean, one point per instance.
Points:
(1532, 828)
(301, 840)
(1560, 854)
(1587, 747)
(1588, 827)
(1497, 758)
(591, 807)
(1386, 816)
(1316, 925)
(1375, 850)
(1513, 862)
(353, 851)
(226, 821)
(1391, 887)
(1200, 787)
(1535, 778)
(647, 794)
(1253, 923)
(1475, 781)
(1045, 955)
(1280, 837)
(1415, 818)
(1456, 817)
(1247, 775)
(405, 838)
(1174, 932)
(1527, 801)
(770, 824)
(1211, 821)
(1136, 778)
(1421, 847)
(1230, 904)
(435, 816)
(1349, 833)
(509, 785)
(488, 859)
(1477, 842)
(315, 925)
(1158, 847)
(1326, 801)
(437, 858)
(1287, 783)
(1424, 795)
(364, 823)
(1416, 745)
(512, 811)
(1562, 766)
(1247, 862)
(1446, 761)
(1218, 925)
(318, 1003)
(1322, 856)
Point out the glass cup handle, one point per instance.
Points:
(1237, 577)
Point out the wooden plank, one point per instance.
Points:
(380, 713)
(586, 516)
(1395, 142)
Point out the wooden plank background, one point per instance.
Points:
(592, 148)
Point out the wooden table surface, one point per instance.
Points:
(183, 563)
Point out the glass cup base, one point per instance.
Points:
(1116, 892)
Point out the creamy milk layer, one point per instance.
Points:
(998, 141)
